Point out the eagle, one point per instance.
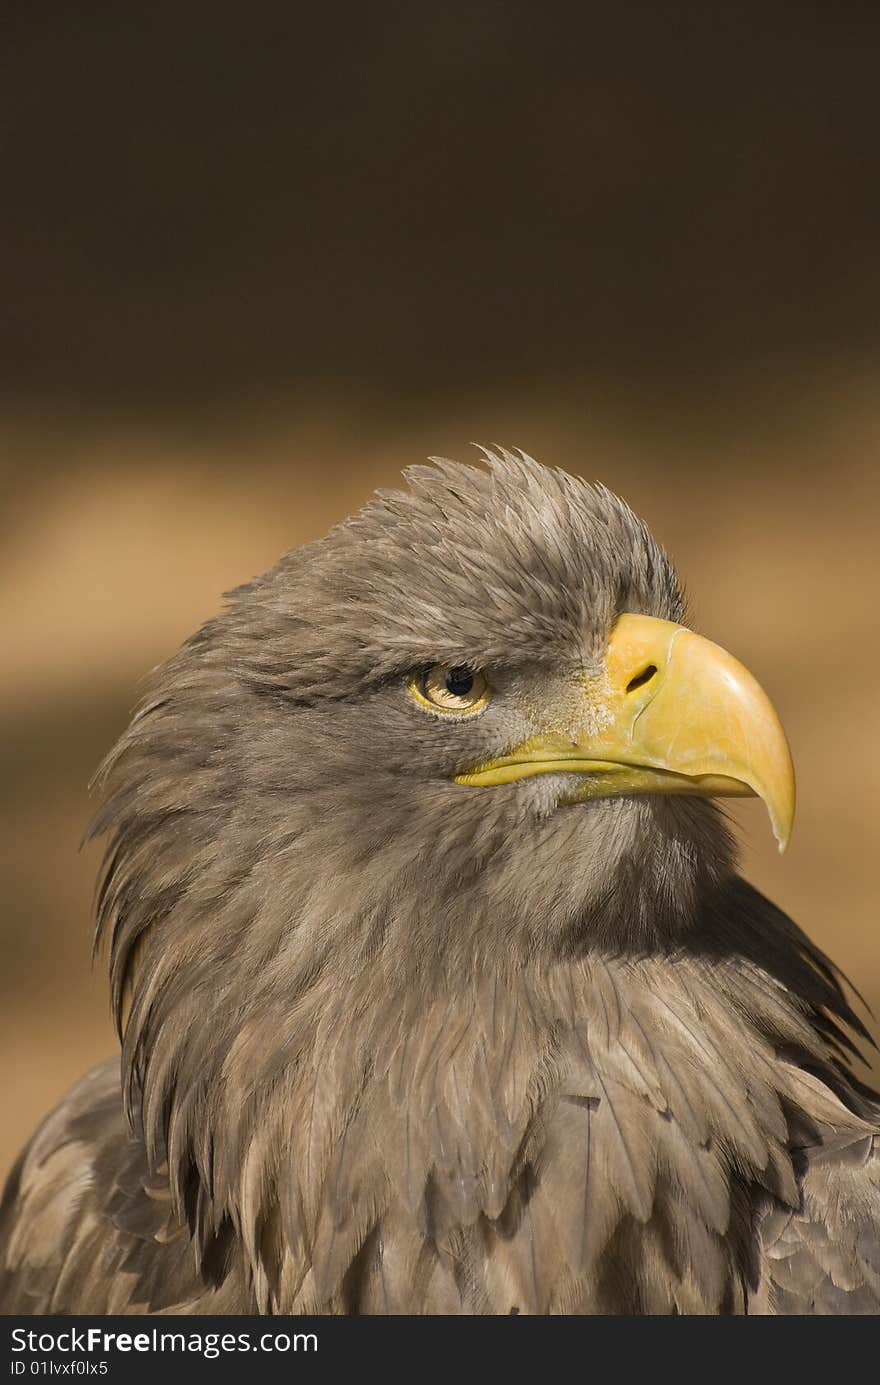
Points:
(437, 987)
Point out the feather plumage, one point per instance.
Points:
(392, 1048)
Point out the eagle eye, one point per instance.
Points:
(450, 688)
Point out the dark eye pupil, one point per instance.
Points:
(459, 682)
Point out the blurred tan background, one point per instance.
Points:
(258, 258)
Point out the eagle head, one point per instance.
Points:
(465, 730)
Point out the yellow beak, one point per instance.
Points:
(669, 712)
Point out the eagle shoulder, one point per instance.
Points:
(85, 1229)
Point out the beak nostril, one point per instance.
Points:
(641, 678)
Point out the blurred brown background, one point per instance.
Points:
(256, 258)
